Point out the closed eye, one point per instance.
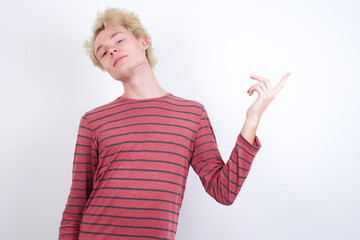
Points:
(106, 51)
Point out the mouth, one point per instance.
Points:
(118, 59)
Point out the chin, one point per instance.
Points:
(116, 76)
(119, 75)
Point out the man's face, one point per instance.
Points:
(119, 51)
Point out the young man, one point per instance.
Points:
(133, 154)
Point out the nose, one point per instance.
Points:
(112, 51)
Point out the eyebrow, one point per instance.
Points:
(112, 35)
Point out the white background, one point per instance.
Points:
(305, 180)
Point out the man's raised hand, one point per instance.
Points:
(265, 95)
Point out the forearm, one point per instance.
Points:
(248, 130)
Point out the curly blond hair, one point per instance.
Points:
(113, 17)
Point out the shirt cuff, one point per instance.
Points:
(252, 148)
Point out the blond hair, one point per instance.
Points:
(113, 17)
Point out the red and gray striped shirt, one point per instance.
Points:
(131, 162)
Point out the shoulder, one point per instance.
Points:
(187, 101)
(100, 108)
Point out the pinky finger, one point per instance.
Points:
(252, 88)
(260, 91)
(256, 88)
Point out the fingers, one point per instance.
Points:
(259, 90)
(281, 83)
(252, 88)
(262, 79)
(274, 90)
(259, 87)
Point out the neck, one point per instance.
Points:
(142, 83)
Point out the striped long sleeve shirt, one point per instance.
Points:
(131, 162)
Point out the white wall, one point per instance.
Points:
(304, 183)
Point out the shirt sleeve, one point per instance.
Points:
(221, 181)
(82, 182)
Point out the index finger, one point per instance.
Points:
(281, 83)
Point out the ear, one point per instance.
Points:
(144, 42)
